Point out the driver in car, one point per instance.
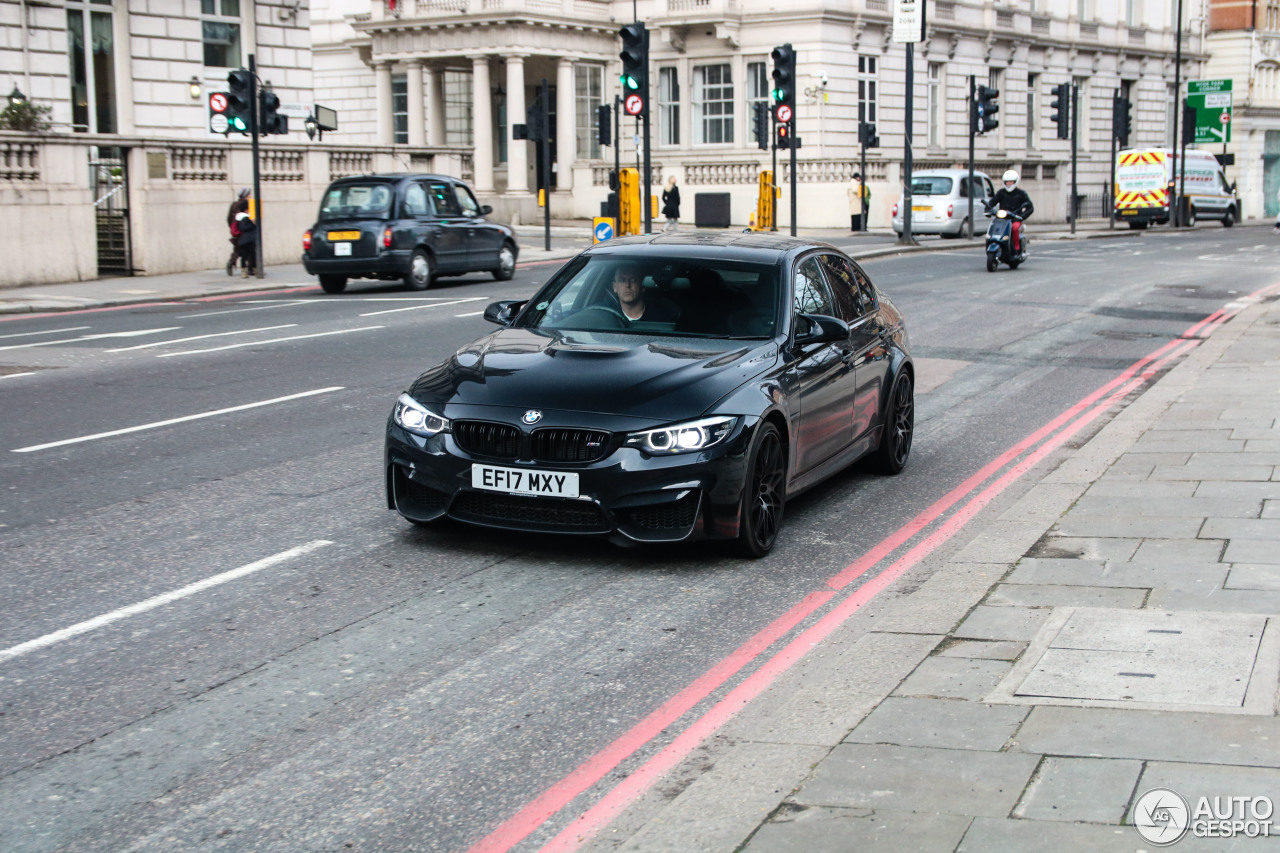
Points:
(628, 286)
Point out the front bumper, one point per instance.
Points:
(628, 493)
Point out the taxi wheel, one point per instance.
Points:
(764, 495)
(506, 262)
(333, 283)
(422, 271)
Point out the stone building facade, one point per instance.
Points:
(463, 71)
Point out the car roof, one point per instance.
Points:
(726, 245)
(390, 178)
(945, 173)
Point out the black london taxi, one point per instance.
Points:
(405, 227)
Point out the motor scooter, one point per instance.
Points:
(1000, 240)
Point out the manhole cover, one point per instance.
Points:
(1143, 658)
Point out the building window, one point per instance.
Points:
(1273, 15)
(588, 89)
(400, 109)
(867, 89)
(935, 111)
(221, 23)
(757, 88)
(713, 104)
(668, 106)
(91, 52)
(1080, 112)
(1033, 80)
(1171, 118)
(458, 126)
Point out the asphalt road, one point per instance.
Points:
(366, 685)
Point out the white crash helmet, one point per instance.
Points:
(1011, 176)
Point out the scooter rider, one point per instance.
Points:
(1015, 201)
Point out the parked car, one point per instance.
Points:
(408, 227)
(939, 203)
(766, 365)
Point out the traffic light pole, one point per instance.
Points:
(544, 150)
(1111, 187)
(1075, 133)
(647, 201)
(257, 180)
(773, 203)
(862, 189)
(973, 132)
(906, 158)
(617, 161)
(791, 138)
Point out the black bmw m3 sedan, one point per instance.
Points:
(661, 389)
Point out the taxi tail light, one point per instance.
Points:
(386, 238)
(306, 241)
(895, 210)
(951, 208)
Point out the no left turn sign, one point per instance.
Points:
(634, 105)
(218, 102)
(784, 114)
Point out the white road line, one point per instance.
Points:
(242, 310)
(184, 419)
(472, 314)
(46, 332)
(202, 337)
(432, 305)
(158, 601)
(271, 341)
(133, 334)
(11, 375)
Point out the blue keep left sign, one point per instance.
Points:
(602, 229)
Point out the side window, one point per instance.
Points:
(844, 287)
(415, 200)
(812, 296)
(466, 201)
(443, 199)
(866, 288)
(987, 183)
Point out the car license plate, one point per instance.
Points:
(922, 208)
(521, 481)
(340, 249)
(1129, 212)
(343, 235)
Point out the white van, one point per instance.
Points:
(1144, 177)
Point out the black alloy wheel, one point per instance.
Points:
(333, 283)
(506, 262)
(765, 494)
(899, 426)
(422, 272)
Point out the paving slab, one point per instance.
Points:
(938, 604)
(1237, 529)
(1262, 602)
(941, 781)
(987, 835)
(1090, 790)
(1178, 552)
(989, 649)
(1003, 540)
(1200, 470)
(1259, 491)
(1252, 551)
(1248, 576)
(1085, 547)
(1151, 735)
(1145, 490)
(1130, 526)
(839, 830)
(1271, 508)
(1061, 595)
(1204, 576)
(947, 723)
(949, 677)
(1095, 504)
(1002, 623)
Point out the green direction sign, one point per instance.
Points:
(1210, 103)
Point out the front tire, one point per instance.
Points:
(506, 262)
(899, 426)
(1191, 216)
(992, 263)
(422, 271)
(1229, 218)
(333, 283)
(764, 495)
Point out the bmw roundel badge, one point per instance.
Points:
(532, 416)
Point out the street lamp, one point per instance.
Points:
(16, 97)
(312, 127)
(195, 87)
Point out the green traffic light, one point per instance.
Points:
(629, 82)
(778, 94)
(237, 123)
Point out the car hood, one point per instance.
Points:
(653, 378)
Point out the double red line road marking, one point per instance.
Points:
(1019, 459)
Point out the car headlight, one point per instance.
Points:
(683, 438)
(417, 419)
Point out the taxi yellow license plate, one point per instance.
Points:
(1130, 212)
(343, 235)
(921, 208)
(520, 481)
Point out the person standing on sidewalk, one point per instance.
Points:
(859, 196)
(1275, 229)
(247, 240)
(671, 205)
(232, 210)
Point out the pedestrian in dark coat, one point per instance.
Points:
(247, 241)
(671, 204)
(232, 210)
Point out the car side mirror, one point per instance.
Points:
(486, 209)
(820, 329)
(503, 312)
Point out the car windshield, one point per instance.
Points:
(931, 185)
(664, 296)
(357, 201)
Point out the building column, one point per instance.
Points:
(517, 149)
(482, 124)
(382, 94)
(417, 109)
(567, 125)
(435, 106)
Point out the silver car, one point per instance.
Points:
(939, 203)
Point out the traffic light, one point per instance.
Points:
(239, 107)
(1061, 107)
(987, 108)
(535, 123)
(269, 120)
(604, 124)
(762, 125)
(867, 135)
(784, 136)
(1120, 120)
(784, 83)
(1188, 123)
(635, 69)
